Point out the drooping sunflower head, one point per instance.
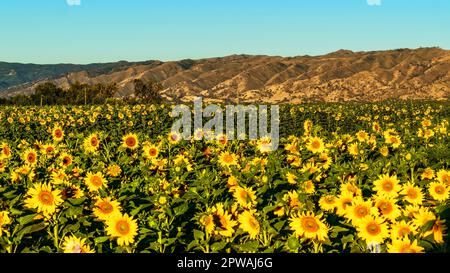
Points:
(130, 141)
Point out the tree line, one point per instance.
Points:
(85, 94)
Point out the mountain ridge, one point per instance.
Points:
(342, 75)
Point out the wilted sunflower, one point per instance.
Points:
(249, 223)
(73, 244)
(95, 181)
(43, 198)
(130, 141)
(122, 227)
(308, 225)
(106, 209)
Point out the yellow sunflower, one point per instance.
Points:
(422, 216)
(43, 198)
(219, 222)
(345, 199)
(412, 194)
(150, 151)
(438, 231)
(387, 185)
(315, 145)
(373, 230)
(5, 151)
(91, 143)
(174, 138)
(443, 176)
(227, 159)
(358, 210)
(310, 226)
(291, 178)
(439, 191)
(122, 227)
(95, 181)
(106, 208)
(30, 156)
(73, 244)
(57, 134)
(66, 160)
(114, 170)
(245, 197)
(388, 208)
(404, 246)
(130, 141)
(249, 223)
(4, 220)
(427, 174)
(328, 202)
(402, 229)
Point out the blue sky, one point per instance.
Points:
(52, 31)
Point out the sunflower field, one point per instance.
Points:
(113, 179)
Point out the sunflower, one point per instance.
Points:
(328, 202)
(358, 210)
(72, 191)
(43, 198)
(309, 187)
(91, 143)
(130, 141)
(402, 229)
(309, 226)
(384, 151)
(373, 230)
(227, 159)
(404, 246)
(174, 138)
(353, 149)
(427, 174)
(315, 145)
(443, 176)
(49, 149)
(74, 244)
(5, 151)
(95, 181)
(439, 191)
(4, 220)
(292, 199)
(422, 216)
(57, 134)
(438, 231)
(362, 136)
(344, 200)
(386, 185)
(245, 197)
(232, 183)
(66, 160)
(291, 178)
(105, 209)
(114, 170)
(122, 227)
(388, 208)
(412, 194)
(249, 223)
(350, 188)
(218, 222)
(150, 151)
(30, 157)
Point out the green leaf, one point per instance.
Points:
(218, 246)
(26, 219)
(100, 240)
(198, 235)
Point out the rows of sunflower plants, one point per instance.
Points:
(114, 179)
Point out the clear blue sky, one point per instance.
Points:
(52, 31)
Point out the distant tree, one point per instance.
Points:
(149, 92)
